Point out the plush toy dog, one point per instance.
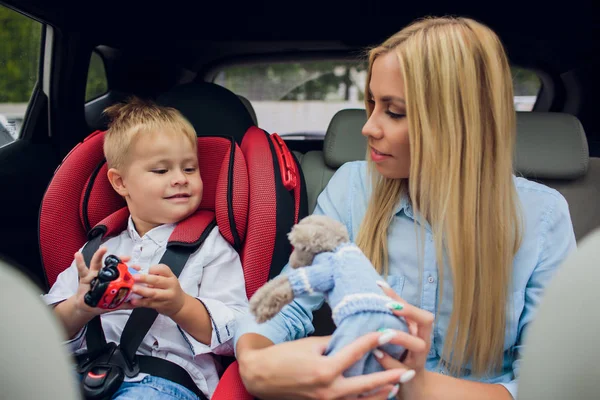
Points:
(325, 261)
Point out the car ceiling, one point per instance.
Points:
(558, 38)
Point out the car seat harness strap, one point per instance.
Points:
(105, 365)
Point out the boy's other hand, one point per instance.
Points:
(161, 292)
(86, 275)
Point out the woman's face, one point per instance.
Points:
(387, 128)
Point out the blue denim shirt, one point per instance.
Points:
(548, 237)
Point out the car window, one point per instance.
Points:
(298, 99)
(96, 84)
(527, 86)
(19, 65)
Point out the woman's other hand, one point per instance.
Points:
(299, 370)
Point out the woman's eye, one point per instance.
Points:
(394, 115)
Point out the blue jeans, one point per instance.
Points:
(153, 388)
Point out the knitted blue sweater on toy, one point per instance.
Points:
(347, 279)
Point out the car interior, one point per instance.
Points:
(299, 76)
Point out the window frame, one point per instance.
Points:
(24, 132)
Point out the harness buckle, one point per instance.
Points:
(104, 372)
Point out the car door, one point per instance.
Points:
(27, 154)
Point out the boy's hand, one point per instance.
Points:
(162, 291)
(85, 277)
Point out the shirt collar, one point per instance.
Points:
(405, 206)
(159, 235)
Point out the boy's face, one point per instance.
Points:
(161, 180)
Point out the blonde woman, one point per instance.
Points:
(465, 246)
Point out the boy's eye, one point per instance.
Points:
(159, 171)
(190, 170)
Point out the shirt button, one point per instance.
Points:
(430, 279)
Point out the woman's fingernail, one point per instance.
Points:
(407, 376)
(394, 391)
(394, 305)
(382, 284)
(378, 353)
(386, 336)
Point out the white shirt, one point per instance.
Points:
(213, 274)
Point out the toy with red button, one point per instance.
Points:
(112, 287)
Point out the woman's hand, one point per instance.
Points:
(299, 370)
(424, 384)
(417, 343)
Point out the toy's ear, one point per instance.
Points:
(301, 236)
(315, 234)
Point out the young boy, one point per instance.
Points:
(152, 159)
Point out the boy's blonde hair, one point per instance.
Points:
(140, 117)
(461, 120)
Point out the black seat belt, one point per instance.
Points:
(94, 335)
(105, 365)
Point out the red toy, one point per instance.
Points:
(112, 286)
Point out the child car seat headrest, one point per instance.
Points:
(210, 108)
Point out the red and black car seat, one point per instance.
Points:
(272, 171)
(253, 190)
(80, 206)
(80, 201)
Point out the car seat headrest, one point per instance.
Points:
(550, 146)
(250, 109)
(344, 141)
(210, 108)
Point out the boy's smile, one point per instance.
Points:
(179, 198)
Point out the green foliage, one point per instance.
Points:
(331, 77)
(20, 39)
(20, 44)
(526, 82)
(96, 81)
